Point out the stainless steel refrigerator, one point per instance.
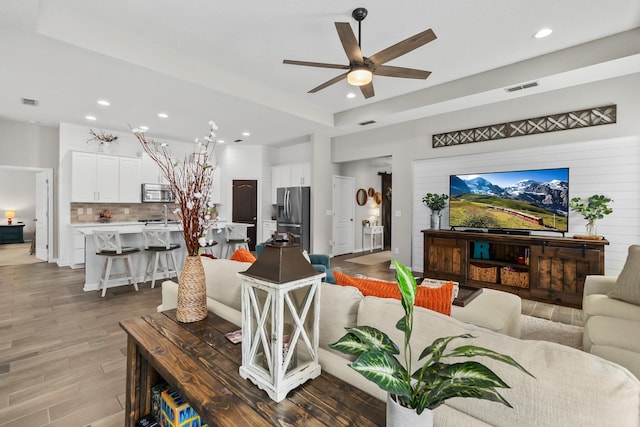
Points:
(294, 216)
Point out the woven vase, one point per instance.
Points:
(192, 292)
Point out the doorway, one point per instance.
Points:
(245, 207)
(385, 184)
(29, 192)
(343, 214)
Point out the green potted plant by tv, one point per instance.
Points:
(416, 393)
(435, 202)
(596, 207)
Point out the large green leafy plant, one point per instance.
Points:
(433, 382)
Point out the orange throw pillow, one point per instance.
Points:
(436, 299)
(242, 255)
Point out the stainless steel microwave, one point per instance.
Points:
(157, 193)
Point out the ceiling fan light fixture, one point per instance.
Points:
(359, 76)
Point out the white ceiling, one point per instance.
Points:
(200, 60)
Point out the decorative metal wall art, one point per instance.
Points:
(553, 123)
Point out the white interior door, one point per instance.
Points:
(42, 216)
(343, 214)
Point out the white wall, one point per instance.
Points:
(411, 141)
(590, 172)
(26, 149)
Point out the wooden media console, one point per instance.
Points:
(543, 268)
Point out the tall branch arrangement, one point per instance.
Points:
(191, 180)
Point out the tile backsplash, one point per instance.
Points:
(120, 212)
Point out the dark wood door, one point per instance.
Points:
(386, 207)
(245, 206)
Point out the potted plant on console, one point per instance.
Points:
(596, 207)
(435, 202)
(414, 394)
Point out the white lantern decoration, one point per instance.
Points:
(280, 320)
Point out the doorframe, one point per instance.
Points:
(48, 203)
(258, 226)
(348, 201)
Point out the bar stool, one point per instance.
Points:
(235, 238)
(157, 241)
(210, 242)
(109, 245)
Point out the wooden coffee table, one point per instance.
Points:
(198, 361)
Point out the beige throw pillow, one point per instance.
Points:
(627, 286)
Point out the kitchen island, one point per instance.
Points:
(131, 235)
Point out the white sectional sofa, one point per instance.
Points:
(612, 314)
(571, 388)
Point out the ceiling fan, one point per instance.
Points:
(361, 68)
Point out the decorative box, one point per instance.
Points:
(176, 412)
(156, 399)
(511, 277)
(483, 273)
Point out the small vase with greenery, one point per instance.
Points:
(435, 381)
(596, 207)
(435, 202)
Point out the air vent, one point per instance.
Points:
(522, 86)
(368, 122)
(32, 102)
(237, 140)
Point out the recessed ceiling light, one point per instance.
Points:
(90, 117)
(163, 115)
(144, 128)
(104, 102)
(221, 141)
(245, 133)
(542, 33)
(351, 95)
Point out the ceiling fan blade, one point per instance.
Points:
(407, 73)
(367, 90)
(349, 42)
(316, 64)
(328, 83)
(405, 46)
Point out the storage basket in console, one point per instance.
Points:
(483, 273)
(511, 277)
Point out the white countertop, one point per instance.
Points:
(133, 227)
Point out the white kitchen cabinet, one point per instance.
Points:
(300, 175)
(130, 179)
(83, 177)
(78, 249)
(100, 178)
(107, 178)
(290, 175)
(151, 171)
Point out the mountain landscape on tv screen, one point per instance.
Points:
(534, 200)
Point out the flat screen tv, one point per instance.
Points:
(526, 200)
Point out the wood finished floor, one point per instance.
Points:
(62, 352)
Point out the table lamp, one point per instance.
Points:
(9, 215)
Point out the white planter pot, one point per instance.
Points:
(435, 220)
(399, 416)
